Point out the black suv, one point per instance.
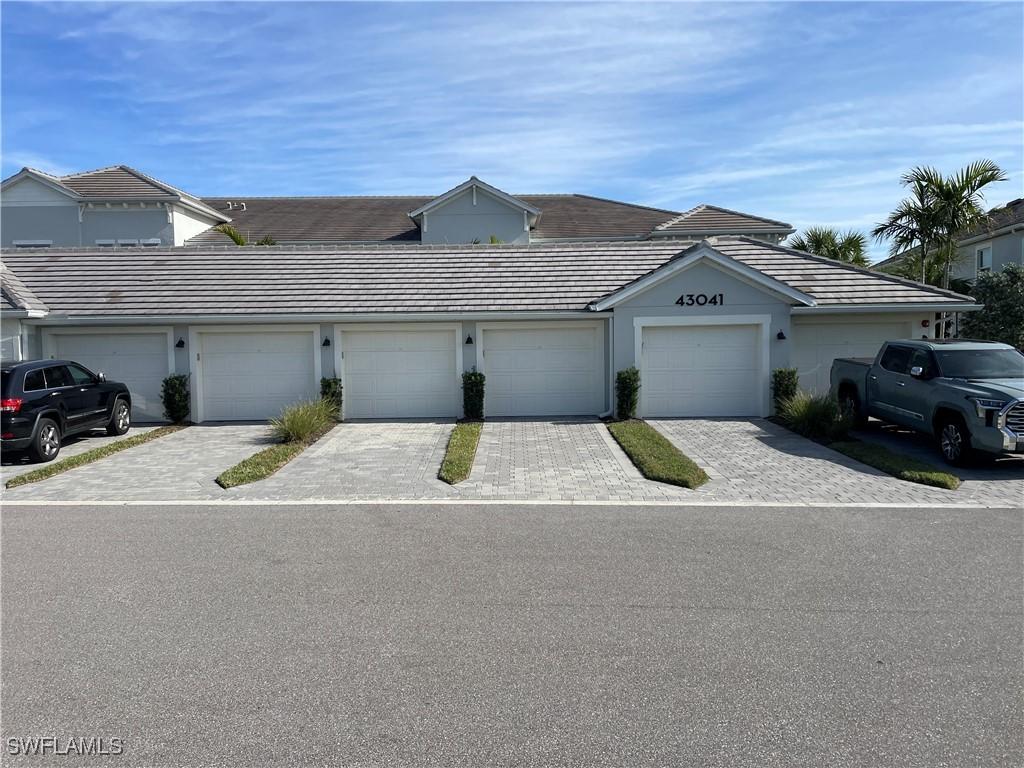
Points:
(44, 401)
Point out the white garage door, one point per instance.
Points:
(251, 376)
(140, 360)
(543, 371)
(701, 371)
(816, 345)
(400, 374)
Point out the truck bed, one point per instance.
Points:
(867, 362)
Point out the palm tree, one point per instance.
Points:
(848, 247)
(926, 225)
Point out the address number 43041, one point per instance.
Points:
(701, 299)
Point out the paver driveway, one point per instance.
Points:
(181, 465)
(15, 464)
(755, 460)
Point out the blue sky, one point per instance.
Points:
(803, 112)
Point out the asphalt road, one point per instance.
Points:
(515, 635)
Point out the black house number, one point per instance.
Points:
(701, 299)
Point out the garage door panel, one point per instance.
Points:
(701, 371)
(139, 360)
(544, 371)
(817, 345)
(400, 374)
(254, 375)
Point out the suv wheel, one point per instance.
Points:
(954, 441)
(46, 443)
(120, 418)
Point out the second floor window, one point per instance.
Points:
(984, 255)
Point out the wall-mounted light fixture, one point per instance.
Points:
(781, 335)
(469, 340)
(925, 323)
(180, 344)
(327, 342)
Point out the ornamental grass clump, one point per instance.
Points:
(304, 422)
(817, 417)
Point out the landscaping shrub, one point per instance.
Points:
(175, 396)
(627, 392)
(330, 390)
(818, 417)
(785, 384)
(303, 422)
(459, 455)
(473, 394)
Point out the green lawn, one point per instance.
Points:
(266, 462)
(458, 458)
(655, 457)
(902, 467)
(63, 465)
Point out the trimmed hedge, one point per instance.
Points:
(627, 392)
(330, 390)
(785, 384)
(175, 396)
(473, 394)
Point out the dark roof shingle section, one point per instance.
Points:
(829, 282)
(710, 219)
(381, 279)
(14, 294)
(997, 218)
(386, 219)
(114, 182)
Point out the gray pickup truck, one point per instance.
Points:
(969, 395)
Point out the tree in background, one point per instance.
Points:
(239, 238)
(925, 227)
(848, 247)
(1002, 319)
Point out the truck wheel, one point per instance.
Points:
(849, 406)
(46, 442)
(954, 440)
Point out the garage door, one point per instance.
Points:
(140, 360)
(816, 345)
(400, 374)
(252, 376)
(701, 371)
(543, 371)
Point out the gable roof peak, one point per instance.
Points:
(708, 219)
(474, 182)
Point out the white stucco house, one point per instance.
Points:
(398, 297)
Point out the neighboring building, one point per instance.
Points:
(549, 324)
(119, 206)
(110, 207)
(1000, 241)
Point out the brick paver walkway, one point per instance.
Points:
(18, 464)
(755, 460)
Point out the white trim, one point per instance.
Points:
(32, 243)
(1009, 229)
(857, 309)
(50, 182)
(339, 357)
(195, 367)
(481, 340)
(702, 252)
(474, 183)
(378, 317)
(764, 368)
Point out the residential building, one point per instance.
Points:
(997, 242)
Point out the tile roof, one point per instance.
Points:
(386, 219)
(15, 295)
(998, 218)
(711, 220)
(381, 279)
(828, 281)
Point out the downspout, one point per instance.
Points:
(610, 369)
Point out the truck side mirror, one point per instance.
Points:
(101, 376)
(917, 372)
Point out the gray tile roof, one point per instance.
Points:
(829, 282)
(998, 218)
(386, 219)
(707, 220)
(554, 277)
(15, 295)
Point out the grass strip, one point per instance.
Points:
(81, 459)
(656, 457)
(458, 457)
(911, 470)
(266, 462)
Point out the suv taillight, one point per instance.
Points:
(10, 405)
